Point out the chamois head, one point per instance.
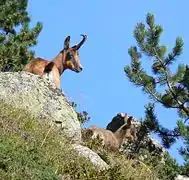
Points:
(71, 55)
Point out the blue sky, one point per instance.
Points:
(102, 89)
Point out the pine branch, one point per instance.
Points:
(185, 121)
(155, 97)
(181, 105)
(16, 43)
(150, 92)
(177, 50)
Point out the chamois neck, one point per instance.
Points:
(120, 134)
(59, 62)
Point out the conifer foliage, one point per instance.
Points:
(16, 37)
(160, 82)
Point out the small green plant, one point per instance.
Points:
(82, 116)
(163, 165)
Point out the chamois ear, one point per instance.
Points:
(67, 43)
(122, 114)
(129, 119)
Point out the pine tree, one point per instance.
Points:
(16, 37)
(171, 89)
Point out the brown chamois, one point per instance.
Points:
(113, 140)
(127, 131)
(67, 58)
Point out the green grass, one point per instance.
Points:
(30, 149)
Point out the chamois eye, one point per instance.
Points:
(70, 56)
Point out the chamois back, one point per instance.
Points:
(108, 138)
(45, 69)
(37, 66)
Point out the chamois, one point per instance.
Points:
(67, 58)
(127, 131)
(113, 140)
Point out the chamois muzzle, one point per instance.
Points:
(82, 41)
(79, 69)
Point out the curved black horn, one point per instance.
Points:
(82, 41)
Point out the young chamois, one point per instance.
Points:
(67, 58)
(112, 140)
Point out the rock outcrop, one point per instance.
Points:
(181, 177)
(94, 157)
(45, 102)
(41, 99)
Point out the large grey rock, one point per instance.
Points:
(90, 155)
(181, 177)
(40, 98)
